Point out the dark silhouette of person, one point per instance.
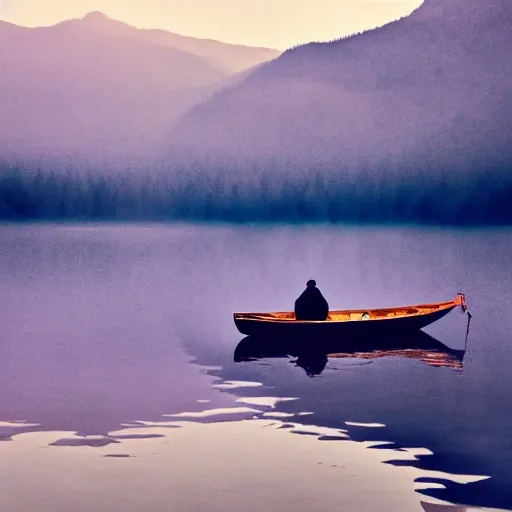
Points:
(311, 304)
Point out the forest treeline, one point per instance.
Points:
(263, 196)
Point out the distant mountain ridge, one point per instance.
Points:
(429, 91)
(95, 92)
(229, 58)
(409, 123)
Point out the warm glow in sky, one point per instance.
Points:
(273, 23)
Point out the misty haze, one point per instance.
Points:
(254, 278)
(410, 122)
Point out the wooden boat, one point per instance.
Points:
(348, 322)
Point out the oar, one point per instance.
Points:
(467, 330)
(462, 303)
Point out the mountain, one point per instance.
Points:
(95, 91)
(229, 58)
(429, 92)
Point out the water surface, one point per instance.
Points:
(117, 351)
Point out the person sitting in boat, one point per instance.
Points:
(311, 305)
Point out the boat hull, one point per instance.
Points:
(257, 327)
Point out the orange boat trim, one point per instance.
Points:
(356, 315)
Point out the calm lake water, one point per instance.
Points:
(119, 388)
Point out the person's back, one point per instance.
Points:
(311, 305)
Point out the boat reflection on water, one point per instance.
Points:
(313, 354)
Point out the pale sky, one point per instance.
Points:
(272, 23)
